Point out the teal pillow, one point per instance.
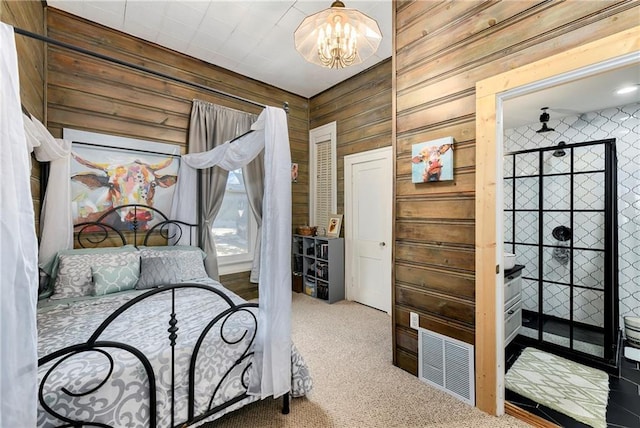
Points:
(112, 279)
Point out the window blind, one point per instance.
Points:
(324, 184)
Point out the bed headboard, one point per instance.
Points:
(134, 224)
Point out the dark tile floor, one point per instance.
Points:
(582, 332)
(623, 409)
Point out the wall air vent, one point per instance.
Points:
(447, 364)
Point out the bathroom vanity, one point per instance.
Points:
(512, 302)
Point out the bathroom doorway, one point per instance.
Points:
(597, 57)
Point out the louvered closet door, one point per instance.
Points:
(324, 183)
(322, 169)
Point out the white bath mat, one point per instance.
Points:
(573, 389)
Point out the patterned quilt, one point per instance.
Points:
(110, 385)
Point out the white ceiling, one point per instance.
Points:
(584, 95)
(252, 38)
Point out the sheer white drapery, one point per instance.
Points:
(30, 133)
(253, 174)
(56, 222)
(18, 252)
(272, 366)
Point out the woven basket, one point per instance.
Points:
(306, 230)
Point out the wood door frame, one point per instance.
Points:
(349, 161)
(489, 94)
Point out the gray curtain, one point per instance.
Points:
(210, 126)
(253, 175)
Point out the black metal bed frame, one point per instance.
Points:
(98, 233)
(94, 233)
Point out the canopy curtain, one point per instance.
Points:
(271, 371)
(56, 222)
(253, 174)
(18, 252)
(210, 126)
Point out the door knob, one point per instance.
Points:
(382, 244)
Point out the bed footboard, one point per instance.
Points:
(195, 375)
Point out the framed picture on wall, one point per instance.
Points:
(104, 175)
(335, 224)
(432, 161)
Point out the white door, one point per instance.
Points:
(368, 224)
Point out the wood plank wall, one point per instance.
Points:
(94, 95)
(31, 68)
(361, 108)
(442, 49)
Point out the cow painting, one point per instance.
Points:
(117, 183)
(432, 161)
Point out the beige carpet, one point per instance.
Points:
(348, 349)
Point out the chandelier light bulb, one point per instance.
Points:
(337, 37)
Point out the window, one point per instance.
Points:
(322, 165)
(235, 228)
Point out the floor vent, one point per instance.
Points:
(447, 364)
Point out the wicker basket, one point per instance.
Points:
(306, 230)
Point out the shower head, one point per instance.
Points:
(559, 153)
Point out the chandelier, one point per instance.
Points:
(337, 37)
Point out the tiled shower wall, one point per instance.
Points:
(623, 124)
(556, 205)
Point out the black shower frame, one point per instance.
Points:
(611, 318)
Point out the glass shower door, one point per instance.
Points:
(560, 221)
